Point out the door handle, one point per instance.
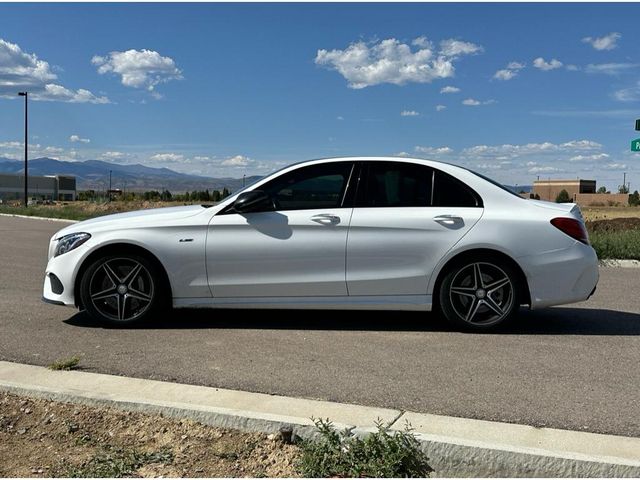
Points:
(326, 219)
(448, 219)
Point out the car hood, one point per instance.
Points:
(150, 217)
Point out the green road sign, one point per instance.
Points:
(635, 145)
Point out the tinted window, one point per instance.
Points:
(396, 184)
(451, 192)
(316, 186)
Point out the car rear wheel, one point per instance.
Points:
(479, 295)
(121, 289)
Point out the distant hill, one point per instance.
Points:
(520, 188)
(94, 174)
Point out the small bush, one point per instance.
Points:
(379, 454)
(623, 244)
(65, 363)
(116, 463)
(563, 197)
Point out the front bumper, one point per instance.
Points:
(60, 275)
(562, 276)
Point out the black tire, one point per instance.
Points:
(479, 295)
(122, 289)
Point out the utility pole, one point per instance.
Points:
(26, 147)
(624, 181)
(109, 186)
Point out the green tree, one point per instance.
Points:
(634, 199)
(563, 197)
(225, 193)
(602, 190)
(623, 189)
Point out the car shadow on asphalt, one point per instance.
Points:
(549, 321)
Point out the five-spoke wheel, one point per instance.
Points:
(479, 294)
(120, 288)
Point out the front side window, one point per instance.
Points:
(396, 184)
(313, 187)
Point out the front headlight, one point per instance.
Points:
(69, 242)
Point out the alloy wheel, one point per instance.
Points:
(481, 293)
(121, 289)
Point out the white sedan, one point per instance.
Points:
(341, 233)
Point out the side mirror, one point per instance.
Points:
(251, 201)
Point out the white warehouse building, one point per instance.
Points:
(50, 187)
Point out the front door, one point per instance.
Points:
(293, 248)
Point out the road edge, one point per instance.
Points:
(33, 217)
(456, 447)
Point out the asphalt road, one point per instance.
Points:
(575, 367)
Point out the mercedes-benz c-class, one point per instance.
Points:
(342, 233)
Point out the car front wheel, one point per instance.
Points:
(479, 295)
(121, 289)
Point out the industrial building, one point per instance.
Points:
(50, 187)
(549, 189)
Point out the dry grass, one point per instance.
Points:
(605, 213)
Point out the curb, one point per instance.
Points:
(38, 218)
(455, 446)
(620, 263)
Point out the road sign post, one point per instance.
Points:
(638, 124)
(635, 145)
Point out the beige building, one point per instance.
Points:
(549, 189)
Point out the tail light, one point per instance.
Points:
(572, 227)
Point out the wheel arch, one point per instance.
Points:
(474, 253)
(118, 248)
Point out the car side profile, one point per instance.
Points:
(342, 233)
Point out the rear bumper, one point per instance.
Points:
(561, 276)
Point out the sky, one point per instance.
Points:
(514, 91)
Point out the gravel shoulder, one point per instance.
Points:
(41, 438)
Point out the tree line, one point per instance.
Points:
(158, 195)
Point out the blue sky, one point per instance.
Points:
(228, 89)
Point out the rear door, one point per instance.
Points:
(406, 217)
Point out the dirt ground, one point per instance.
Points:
(40, 438)
(607, 213)
(613, 225)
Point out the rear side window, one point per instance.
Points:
(313, 187)
(396, 184)
(451, 192)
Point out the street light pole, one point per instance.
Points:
(26, 147)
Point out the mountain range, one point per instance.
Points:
(94, 174)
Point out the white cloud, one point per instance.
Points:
(25, 71)
(340, 117)
(439, 108)
(434, 150)
(610, 68)
(513, 151)
(589, 158)
(615, 166)
(139, 68)
(77, 138)
(631, 94)
(608, 42)
(390, 61)
(544, 65)
(510, 72)
(16, 145)
(422, 42)
(547, 169)
(409, 113)
(472, 102)
(202, 158)
(111, 155)
(455, 48)
(449, 89)
(572, 68)
(402, 154)
(236, 161)
(167, 157)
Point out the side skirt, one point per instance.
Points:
(386, 302)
